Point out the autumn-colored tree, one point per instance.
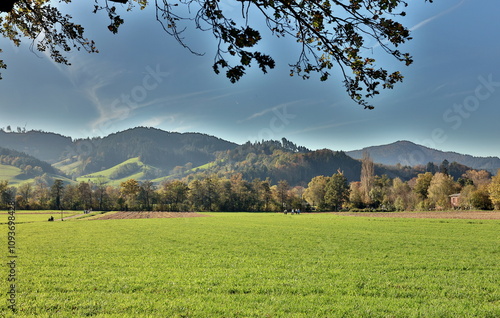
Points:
(480, 199)
(466, 197)
(71, 198)
(282, 195)
(479, 178)
(297, 194)
(241, 193)
(367, 177)
(264, 194)
(25, 190)
(440, 189)
(40, 200)
(401, 195)
(85, 194)
(356, 196)
(337, 192)
(315, 192)
(494, 190)
(4, 185)
(130, 190)
(422, 185)
(379, 194)
(115, 200)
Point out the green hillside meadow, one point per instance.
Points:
(257, 265)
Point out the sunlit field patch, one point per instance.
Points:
(259, 265)
(38, 216)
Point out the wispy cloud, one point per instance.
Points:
(269, 110)
(434, 17)
(115, 111)
(329, 126)
(426, 21)
(91, 78)
(158, 120)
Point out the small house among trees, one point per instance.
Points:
(455, 200)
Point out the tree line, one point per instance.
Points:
(477, 189)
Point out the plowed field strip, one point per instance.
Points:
(148, 215)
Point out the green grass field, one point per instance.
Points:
(37, 216)
(257, 265)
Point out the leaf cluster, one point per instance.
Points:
(333, 35)
(48, 29)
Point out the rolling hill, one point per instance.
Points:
(411, 154)
(154, 147)
(18, 167)
(130, 169)
(152, 154)
(46, 146)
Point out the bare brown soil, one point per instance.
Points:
(476, 215)
(148, 215)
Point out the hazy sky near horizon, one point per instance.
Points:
(449, 100)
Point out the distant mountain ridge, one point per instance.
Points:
(408, 153)
(46, 146)
(158, 148)
(153, 154)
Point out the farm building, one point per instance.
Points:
(455, 200)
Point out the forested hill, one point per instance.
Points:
(161, 155)
(297, 165)
(408, 153)
(45, 146)
(154, 147)
(29, 165)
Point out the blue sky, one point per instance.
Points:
(449, 100)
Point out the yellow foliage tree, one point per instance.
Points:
(494, 190)
(441, 186)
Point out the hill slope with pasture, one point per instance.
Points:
(18, 167)
(161, 149)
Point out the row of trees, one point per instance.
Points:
(208, 194)
(478, 190)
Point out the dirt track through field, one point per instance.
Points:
(148, 215)
(476, 215)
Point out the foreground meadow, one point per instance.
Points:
(258, 265)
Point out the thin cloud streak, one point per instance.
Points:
(426, 21)
(429, 20)
(335, 125)
(268, 110)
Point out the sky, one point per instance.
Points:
(449, 100)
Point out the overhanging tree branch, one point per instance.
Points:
(330, 33)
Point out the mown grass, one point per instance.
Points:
(25, 216)
(259, 265)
